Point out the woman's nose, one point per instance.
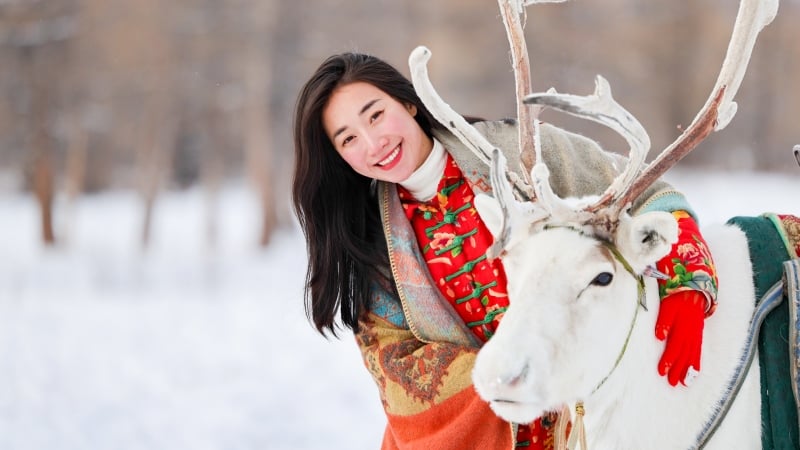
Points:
(377, 143)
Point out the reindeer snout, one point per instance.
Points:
(506, 386)
(496, 381)
(512, 380)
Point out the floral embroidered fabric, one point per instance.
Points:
(789, 227)
(689, 265)
(454, 241)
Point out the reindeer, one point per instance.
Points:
(581, 263)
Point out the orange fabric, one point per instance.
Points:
(462, 422)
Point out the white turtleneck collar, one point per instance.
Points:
(423, 183)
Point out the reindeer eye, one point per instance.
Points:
(604, 279)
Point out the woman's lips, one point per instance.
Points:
(388, 162)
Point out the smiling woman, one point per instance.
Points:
(374, 133)
(384, 195)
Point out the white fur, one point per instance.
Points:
(562, 335)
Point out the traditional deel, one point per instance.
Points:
(689, 266)
(454, 241)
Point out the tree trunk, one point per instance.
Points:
(258, 152)
(43, 187)
(43, 174)
(213, 170)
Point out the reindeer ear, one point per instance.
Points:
(491, 213)
(646, 238)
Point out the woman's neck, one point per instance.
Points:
(424, 182)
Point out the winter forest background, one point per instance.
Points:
(151, 270)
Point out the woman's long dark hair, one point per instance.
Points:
(336, 208)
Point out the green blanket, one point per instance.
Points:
(778, 409)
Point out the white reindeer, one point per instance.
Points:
(577, 331)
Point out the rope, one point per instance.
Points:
(578, 434)
(769, 301)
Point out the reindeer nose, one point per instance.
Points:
(512, 380)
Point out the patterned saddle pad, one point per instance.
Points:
(774, 243)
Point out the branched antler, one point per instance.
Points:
(720, 108)
(441, 111)
(447, 116)
(603, 215)
(602, 108)
(527, 115)
(718, 111)
(525, 214)
(504, 196)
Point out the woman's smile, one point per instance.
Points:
(374, 133)
(386, 163)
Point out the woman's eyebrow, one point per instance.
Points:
(364, 109)
(368, 106)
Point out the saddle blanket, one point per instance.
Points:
(774, 243)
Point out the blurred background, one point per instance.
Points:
(150, 96)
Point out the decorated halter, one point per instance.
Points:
(640, 288)
(579, 433)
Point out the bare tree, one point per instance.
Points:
(40, 38)
(258, 151)
(258, 145)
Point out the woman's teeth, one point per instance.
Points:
(390, 158)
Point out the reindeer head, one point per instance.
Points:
(569, 289)
(574, 266)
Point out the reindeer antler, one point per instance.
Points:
(525, 214)
(797, 154)
(720, 108)
(447, 116)
(527, 115)
(718, 111)
(752, 17)
(441, 111)
(602, 108)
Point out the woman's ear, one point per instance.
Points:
(412, 109)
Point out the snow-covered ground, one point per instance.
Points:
(186, 347)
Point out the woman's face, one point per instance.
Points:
(375, 134)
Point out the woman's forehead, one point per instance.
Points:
(355, 92)
(348, 102)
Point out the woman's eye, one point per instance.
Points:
(604, 279)
(375, 116)
(347, 140)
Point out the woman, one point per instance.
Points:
(384, 196)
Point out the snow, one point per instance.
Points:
(189, 346)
